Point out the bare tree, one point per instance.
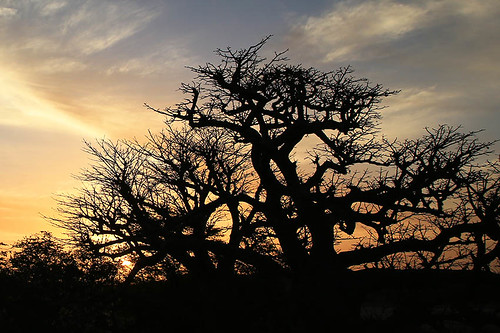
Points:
(352, 178)
(164, 202)
(273, 167)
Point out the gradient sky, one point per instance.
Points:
(82, 69)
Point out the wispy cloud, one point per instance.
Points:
(363, 30)
(417, 106)
(97, 25)
(7, 12)
(61, 65)
(22, 107)
(52, 7)
(170, 57)
(442, 54)
(70, 62)
(72, 28)
(350, 29)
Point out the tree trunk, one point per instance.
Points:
(322, 255)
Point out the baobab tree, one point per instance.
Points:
(273, 166)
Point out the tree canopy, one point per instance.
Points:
(271, 167)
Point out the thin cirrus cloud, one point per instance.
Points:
(54, 50)
(350, 30)
(77, 28)
(22, 107)
(98, 25)
(54, 91)
(364, 30)
(7, 11)
(443, 55)
(167, 58)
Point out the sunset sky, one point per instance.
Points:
(82, 69)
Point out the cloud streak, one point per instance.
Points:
(442, 54)
(71, 63)
(350, 30)
(21, 107)
(364, 30)
(73, 28)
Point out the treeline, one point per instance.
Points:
(43, 259)
(45, 287)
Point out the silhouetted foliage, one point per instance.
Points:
(42, 259)
(368, 300)
(48, 286)
(279, 168)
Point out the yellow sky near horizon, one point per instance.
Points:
(30, 171)
(41, 148)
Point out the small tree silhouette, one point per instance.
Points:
(41, 259)
(276, 168)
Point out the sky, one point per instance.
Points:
(78, 70)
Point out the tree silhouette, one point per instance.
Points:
(160, 203)
(42, 259)
(277, 167)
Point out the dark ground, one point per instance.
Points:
(383, 301)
